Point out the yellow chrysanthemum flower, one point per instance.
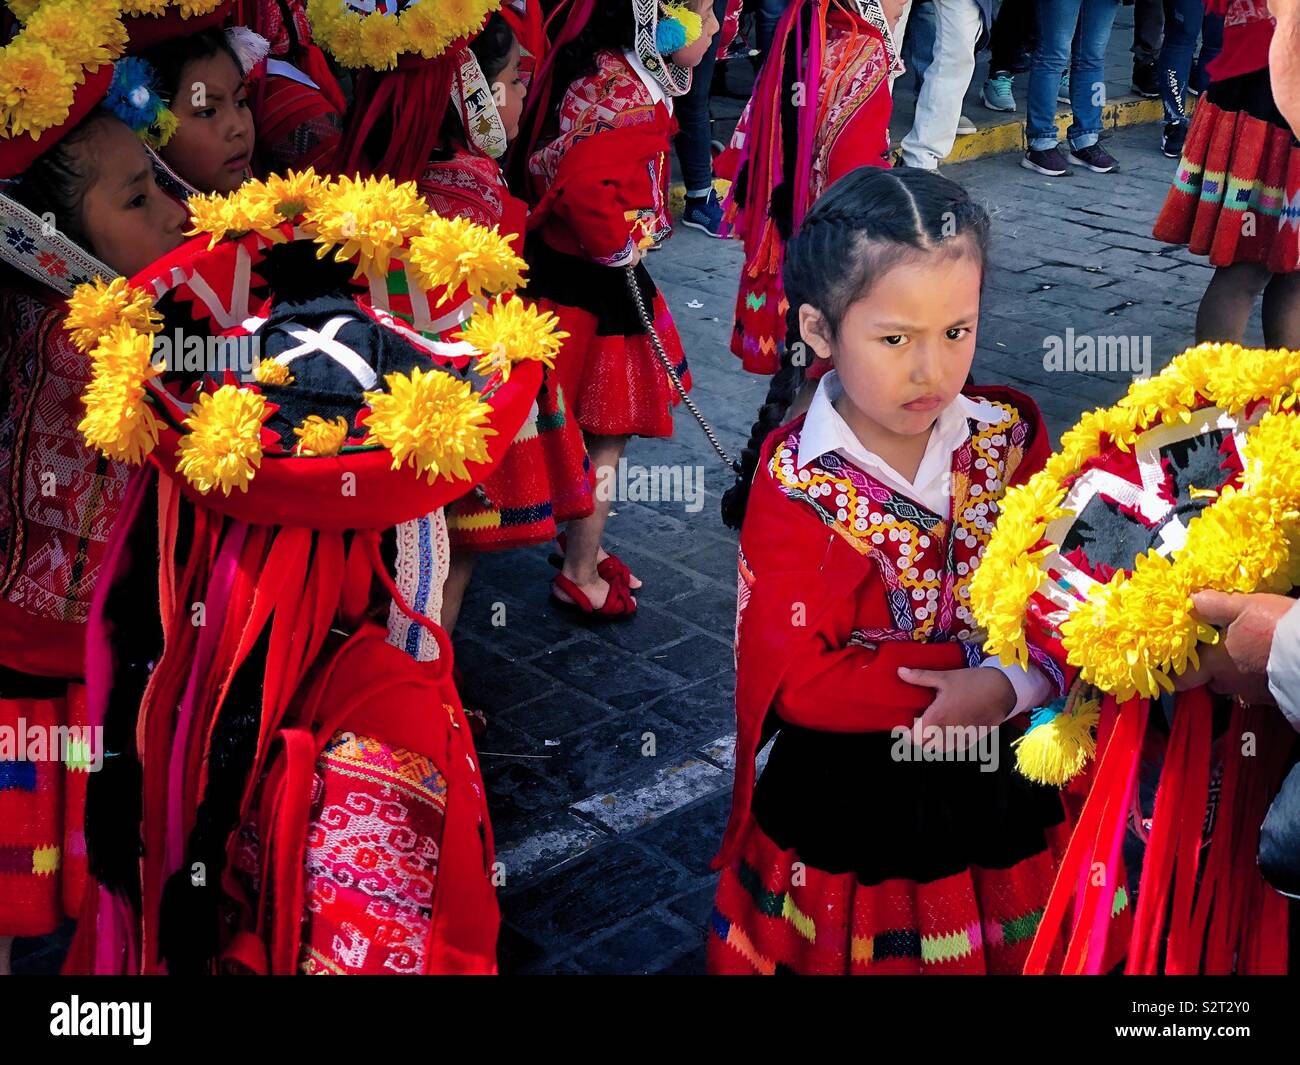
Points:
(368, 219)
(431, 421)
(450, 253)
(119, 421)
(223, 447)
(70, 35)
(36, 86)
(289, 196)
(195, 8)
(22, 9)
(97, 306)
(382, 39)
(512, 331)
(316, 436)
(270, 372)
(144, 7)
(244, 211)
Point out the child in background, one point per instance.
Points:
(545, 476)
(593, 156)
(783, 157)
(865, 523)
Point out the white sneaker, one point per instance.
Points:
(965, 127)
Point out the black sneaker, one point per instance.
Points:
(1173, 138)
(1095, 158)
(1145, 82)
(1047, 161)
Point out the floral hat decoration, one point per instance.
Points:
(326, 354)
(1191, 481)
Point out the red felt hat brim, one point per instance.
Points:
(18, 153)
(145, 31)
(299, 491)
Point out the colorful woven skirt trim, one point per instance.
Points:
(1236, 195)
(543, 481)
(760, 329)
(42, 813)
(775, 914)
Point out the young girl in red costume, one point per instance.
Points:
(594, 159)
(76, 200)
(863, 527)
(545, 477)
(783, 157)
(1236, 194)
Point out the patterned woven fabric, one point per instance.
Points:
(42, 809)
(1236, 195)
(623, 387)
(775, 914)
(58, 499)
(372, 858)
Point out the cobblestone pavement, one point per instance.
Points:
(608, 756)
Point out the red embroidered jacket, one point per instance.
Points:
(843, 581)
(600, 185)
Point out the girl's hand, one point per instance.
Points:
(976, 696)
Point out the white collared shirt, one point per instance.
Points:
(647, 79)
(824, 430)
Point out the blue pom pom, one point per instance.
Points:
(670, 36)
(131, 96)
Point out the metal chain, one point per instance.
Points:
(657, 344)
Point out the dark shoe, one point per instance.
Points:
(1145, 81)
(704, 213)
(1173, 138)
(1048, 161)
(1095, 158)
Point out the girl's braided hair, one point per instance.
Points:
(868, 221)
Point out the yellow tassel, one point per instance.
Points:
(1056, 751)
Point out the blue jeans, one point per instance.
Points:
(1182, 26)
(694, 140)
(1057, 21)
(769, 14)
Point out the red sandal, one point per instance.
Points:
(618, 605)
(611, 568)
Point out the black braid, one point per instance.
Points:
(868, 221)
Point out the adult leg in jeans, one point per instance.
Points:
(1148, 25)
(1056, 22)
(769, 14)
(1087, 71)
(694, 135)
(938, 107)
(1182, 25)
(918, 45)
(1211, 46)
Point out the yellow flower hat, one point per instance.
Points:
(327, 354)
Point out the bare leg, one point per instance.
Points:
(1281, 311)
(582, 543)
(453, 591)
(1228, 300)
(6, 946)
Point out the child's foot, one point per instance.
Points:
(611, 567)
(597, 599)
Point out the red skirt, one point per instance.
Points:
(1236, 195)
(543, 481)
(619, 384)
(42, 813)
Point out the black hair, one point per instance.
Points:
(169, 59)
(611, 27)
(55, 186)
(493, 45)
(869, 220)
